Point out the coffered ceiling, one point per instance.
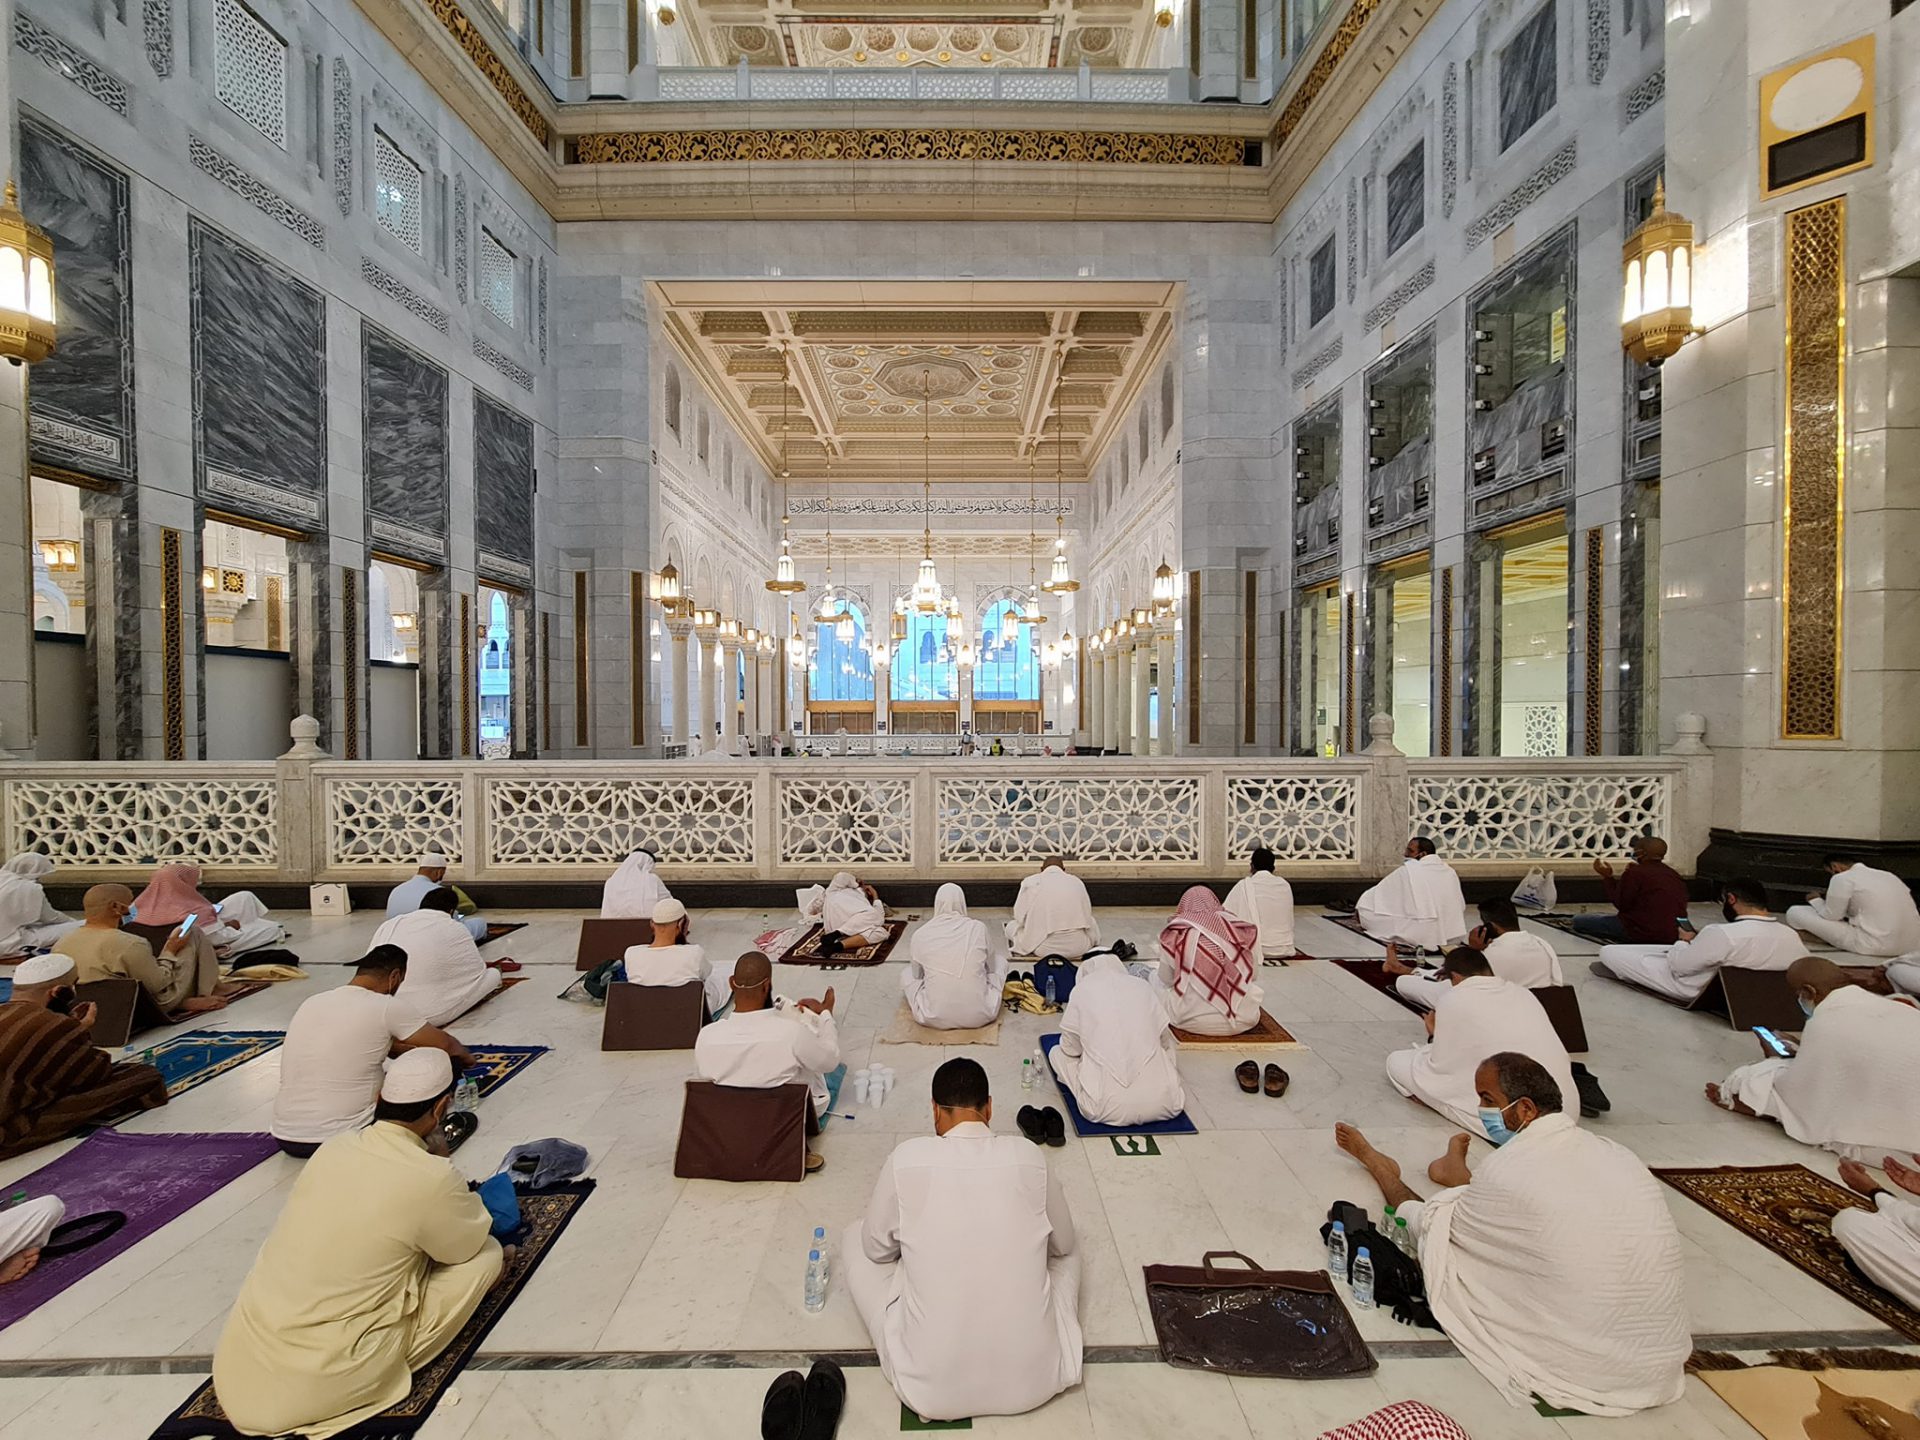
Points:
(962, 380)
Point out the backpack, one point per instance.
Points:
(1398, 1285)
(596, 980)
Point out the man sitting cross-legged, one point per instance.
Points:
(52, 1079)
(965, 1270)
(337, 1047)
(410, 894)
(1418, 904)
(1649, 897)
(378, 1259)
(766, 1042)
(1478, 1015)
(1052, 914)
(1512, 954)
(673, 959)
(1116, 1054)
(446, 976)
(184, 978)
(1556, 1270)
(1867, 911)
(1884, 1241)
(1751, 939)
(1851, 1086)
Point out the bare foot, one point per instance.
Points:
(18, 1267)
(1718, 1097)
(201, 1004)
(1451, 1168)
(1855, 1177)
(1349, 1139)
(1393, 964)
(1905, 1176)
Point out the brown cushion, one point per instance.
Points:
(728, 1133)
(653, 1017)
(1756, 997)
(604, 940)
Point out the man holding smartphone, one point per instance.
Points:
(182, 978)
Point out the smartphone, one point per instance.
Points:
(1685, 922)
(1773, 1042)
(186, 926)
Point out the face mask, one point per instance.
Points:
(1726, 909)
(1806, 1006)
(1495, 1123)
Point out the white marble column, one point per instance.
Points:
(1163, 651)
(963, 687)
(677, 634)
(1096, 698)
(1111, 703)
(700, 691)
(726, 686)
(882, 688)
(1142, 684)
(750, 667)
(1123, 698)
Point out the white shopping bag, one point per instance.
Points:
(1536, 892)
(328, 899)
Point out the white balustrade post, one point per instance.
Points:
(1163, 650)
(1692, 792)
(302, 816)
(766, 844)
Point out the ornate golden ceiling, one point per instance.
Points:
(978, 370)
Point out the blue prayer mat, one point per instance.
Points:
(199, 1055)
(1178, 1125)
(494, 1065)
(833, 1078)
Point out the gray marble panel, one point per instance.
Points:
(83, 392)
(1320, 283)
(503, 486)
(405, 442)
(1316, 488)
(259, 384)
(1407, 197)
(1529, 78)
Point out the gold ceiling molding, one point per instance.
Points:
(1325, 63)
(467, 35)
(1058, 147)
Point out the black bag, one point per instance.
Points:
(596, 980)
(1398, 1285)
(72, 1236)
(1061, 971)
(1289, 1324)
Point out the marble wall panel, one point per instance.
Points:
(259, 384)
(1406, 197)
(1529, 76)
(82, 416)
(503, 488)
(405, 429)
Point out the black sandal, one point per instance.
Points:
(1054, 1126)
(1248, 1074)
(1277, 1082)
(1032, 1124)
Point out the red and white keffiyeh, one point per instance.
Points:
(1406, 1420)
(1212, 953)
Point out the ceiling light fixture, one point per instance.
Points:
(784, 581)
(1060, 580)
(926, 587)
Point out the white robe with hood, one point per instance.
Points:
(1116, 1053)
(28, 920)
(1418, 904)
(952, 981)
(1052, 915)
(848, 911)
(633, 890)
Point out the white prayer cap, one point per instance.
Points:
(43, 969)
(669, 912)
(422, 1074)
(432, 860)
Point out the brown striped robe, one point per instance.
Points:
(52, 1079)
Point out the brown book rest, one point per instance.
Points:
(653, 1017)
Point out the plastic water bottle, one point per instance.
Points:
(816, 1297)
(1362, 1279)
(1026, 1073)
(1051, 1002)
(826, 1256)
(1337, 1250)
(1403, 1237)
(466, 1095)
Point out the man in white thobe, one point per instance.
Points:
(766, 1043)
(953, 980)
(1751, 939)
(1264, 901)
(24, 1228)
(1419, 904)
(405, 897)
(1850, 1088)
(1884, 1241)
(1052, 915)
(853, 912)
(633, 890)
(1512, 954)
(673, 959)
(445, 975)
(1479, 1015)
(1557, 1269)
(28, 920)
(1116, 1054)
(965, 1270)
(1865, 911)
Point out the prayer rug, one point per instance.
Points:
(912, 1423)
(811, 951)
(1790, 1211)
(546, 1214)
(1374, 973)
(1787, 1403)
(198, 1056)
(1554, 921)
(1269, 1032)
(232, 990)
(1293, 959)
(494, 1065)
(905, 1030)
(1180, 1124)
(496, 929)
(151, 1179)
(1351, 922)
(507, 982)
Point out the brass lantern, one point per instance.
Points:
(1163, 592)
(1656, 311)
(26, 285)
(670, 590)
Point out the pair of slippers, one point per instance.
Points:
(1044, 1126)
(804, 1408)
(1247, 1072)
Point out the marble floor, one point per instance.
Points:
(668, 1305)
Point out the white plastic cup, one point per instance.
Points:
(862, 1083)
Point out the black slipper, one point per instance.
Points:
(1277, 1081)
(1248, 1074)
(1055, 1126)
(826, 1401)
(1032, 1124)
(783, 1412)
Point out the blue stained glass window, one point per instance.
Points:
(841, 668)
(1007, 669)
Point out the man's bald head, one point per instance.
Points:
(100, 900)
(1814, 977)
(1650, 848)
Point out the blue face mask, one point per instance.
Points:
(1495, 1123)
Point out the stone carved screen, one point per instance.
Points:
(405, 435)
(544, 821)
(1012, 819)
(259, 384)
(226, 819)
(503, 488)
(82, 413)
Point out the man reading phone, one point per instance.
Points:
(183, 978)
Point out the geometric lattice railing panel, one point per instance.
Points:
(545, 820)
(1298, 817)
(213, 821)
(1022, 819)
(1539, 816)
(831, 822)
(387, 820)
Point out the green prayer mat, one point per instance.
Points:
(911, 1421)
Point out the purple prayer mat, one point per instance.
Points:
(150, 1179)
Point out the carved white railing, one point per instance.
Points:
(306, 819)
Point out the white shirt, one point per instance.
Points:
(1753, 942)
(1265, 901)
(975, 1326)
(334, 1058)
(1525, 960)
(405, 897)
(1879, 905)
(666, 964)
(1481, 1016)
(761, 1049)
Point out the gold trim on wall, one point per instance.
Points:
(1595, 637)
(581, 730)
(576, 37)
(1026, 147)
(276, 613)
(637, 620)
(1193, 657)
(1249, 40)
(1324, 64)
(1446, 661)
(350, 661)
(466, 676)
(633, 39)
(468, 37)
(1857, 52)
(173, 701)
(1813, 471)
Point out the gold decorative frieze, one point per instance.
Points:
(1813, 470)
(1324, 64)
(467, 35)
(1053, 147)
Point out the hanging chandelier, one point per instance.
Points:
(784, 581)
(926, 586)
(1163, 591)
(1031, 615)
(1060, 579)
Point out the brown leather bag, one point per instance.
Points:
(1287, 1324)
